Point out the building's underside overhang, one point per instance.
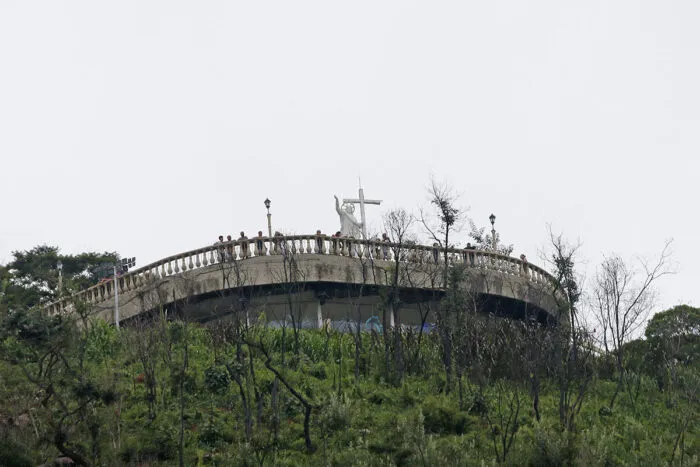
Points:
(309, 302)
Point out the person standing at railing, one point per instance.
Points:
(319, 242)
(526, 268)
(337, 243)
(259, 244)
(244, 244)
(348, 244)
(220, 251)
(229, 248)
(354, 248)
(385, 246)
(280, 245)
(468, 254)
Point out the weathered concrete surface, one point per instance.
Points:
(267, 280)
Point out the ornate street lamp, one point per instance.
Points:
(269, 222)
(492, 218)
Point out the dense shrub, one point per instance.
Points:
(13, 455)
(443, 416)
(318, 370)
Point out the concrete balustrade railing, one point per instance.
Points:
(239, 250)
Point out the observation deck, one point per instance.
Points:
(313, 278)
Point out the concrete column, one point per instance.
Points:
(391, 316)
(319, 314)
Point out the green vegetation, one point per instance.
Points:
(32, 277)
(478, 389)
(227, 395)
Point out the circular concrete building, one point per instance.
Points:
(309, 280)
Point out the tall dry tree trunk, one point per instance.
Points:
(449, 218)
(398, 224)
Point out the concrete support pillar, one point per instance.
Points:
(319, 314)
(391, 316)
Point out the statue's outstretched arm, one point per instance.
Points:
(337, 204)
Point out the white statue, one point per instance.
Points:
(349, 226)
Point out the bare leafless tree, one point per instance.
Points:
(445, 220)
(624, 296)
(293, 279)
(397, 224)
(368, 275)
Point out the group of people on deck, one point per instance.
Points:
(225, 248)
(226, 251)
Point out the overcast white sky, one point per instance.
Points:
(150, 128)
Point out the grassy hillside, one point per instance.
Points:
(167, 393)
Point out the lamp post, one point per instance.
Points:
(120, 267)
(492, 218)
(59, 266)
(269, 222)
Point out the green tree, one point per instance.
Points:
(672, 342)
(484, 240)
(4, 286)
(52, 354)
(682, 321)
(31, 278)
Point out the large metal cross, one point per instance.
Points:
(362, 201)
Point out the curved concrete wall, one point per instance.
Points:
(312, 272)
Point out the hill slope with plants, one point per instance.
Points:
(165, 393)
